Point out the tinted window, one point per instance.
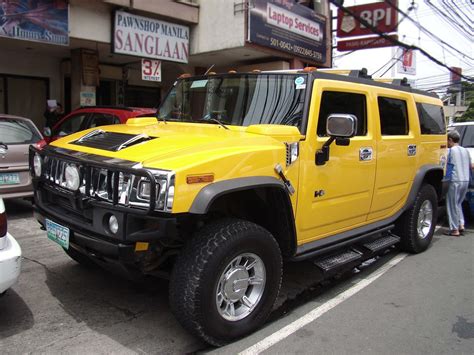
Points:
(431, 119)
(343, 102)
(17, 132)
(393, 116)
(468, 138)
(71, 125)
(102, 119)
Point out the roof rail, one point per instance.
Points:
(394, 81)
(355, 73)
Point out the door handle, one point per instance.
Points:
(365, 154)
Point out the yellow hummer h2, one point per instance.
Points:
(239, 171)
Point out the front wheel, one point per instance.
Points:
(416, 226)
(226, 280)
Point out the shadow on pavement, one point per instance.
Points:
(15, 316)
(18, 208)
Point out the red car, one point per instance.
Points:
(89, 117)
(16, 135)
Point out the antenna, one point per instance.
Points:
(208, 70)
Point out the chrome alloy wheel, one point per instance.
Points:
(240, 287)
(425, 219)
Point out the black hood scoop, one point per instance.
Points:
(110, 141)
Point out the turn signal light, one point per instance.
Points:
(197, 179)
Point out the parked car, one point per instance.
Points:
(466, 131)
(10, 254)
(16, 135)
(94, 116)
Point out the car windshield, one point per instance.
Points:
(237, 99)
(14, 131)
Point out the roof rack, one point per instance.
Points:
(355, 73)
(394, 81)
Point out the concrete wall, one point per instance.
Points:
(218, 27)
(90, 20)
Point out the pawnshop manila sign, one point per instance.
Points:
(146, 37)
(44, 21)
(289, 27)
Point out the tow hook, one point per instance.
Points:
(288, 185)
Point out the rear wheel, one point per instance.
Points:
(416, 226)
(226, 280)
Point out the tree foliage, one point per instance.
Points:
(468, 89)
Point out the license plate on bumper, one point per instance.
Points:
(58, 233)
(9, 178)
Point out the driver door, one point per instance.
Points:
(336, 196)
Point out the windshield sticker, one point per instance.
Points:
(198, 84)
(299, 83)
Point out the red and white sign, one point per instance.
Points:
(365, 43)
(406, 61)
(380, 15)
(149, 38)
(151, 70)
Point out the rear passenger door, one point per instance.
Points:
(397, 152)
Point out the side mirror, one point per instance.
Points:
(340, 127)
(47, 132)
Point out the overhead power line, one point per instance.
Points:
(393, 40)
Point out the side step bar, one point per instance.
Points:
(334, 261)
(382, 243)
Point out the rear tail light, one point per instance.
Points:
(3, 219)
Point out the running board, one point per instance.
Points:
(382, 243)
(334, 261)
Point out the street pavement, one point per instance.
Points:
(418, 304)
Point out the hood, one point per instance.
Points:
(172, 145)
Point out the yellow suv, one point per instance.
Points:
(240, 171)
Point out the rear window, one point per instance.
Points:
(393, 116)
(17, 132)
(431, 119)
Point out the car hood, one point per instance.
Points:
(173, 145)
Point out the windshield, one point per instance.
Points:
(240, 100)
(17, 132)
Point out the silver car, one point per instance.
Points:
(16, 135)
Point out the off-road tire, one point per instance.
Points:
(406, 226)
(80, 258)
(195, 278)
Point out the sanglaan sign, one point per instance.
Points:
(150, 38)
(289, 27)
(45, 21)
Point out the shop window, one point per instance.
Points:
(343, 102)
(393, 116)
(102, 119)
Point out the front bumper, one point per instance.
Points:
(10, 262)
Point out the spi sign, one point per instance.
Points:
(151, 70)
(380, 15)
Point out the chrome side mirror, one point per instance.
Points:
(341, 125)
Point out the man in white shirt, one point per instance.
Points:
(458, 173)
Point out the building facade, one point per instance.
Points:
(129, 52)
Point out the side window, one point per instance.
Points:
(468, 139)
(393, 116)
(343, 102)
(431, 119)
(71, 125)
(102, 119)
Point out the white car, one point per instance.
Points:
(10, 254)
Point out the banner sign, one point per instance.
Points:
(365, 43)
(45, 21)
(406, 61)
(151, 70)
(146, 37)
(289, 27)
(381, 15)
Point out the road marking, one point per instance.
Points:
(320, 310)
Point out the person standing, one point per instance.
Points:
(458, 175)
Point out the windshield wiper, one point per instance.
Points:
(207, 118)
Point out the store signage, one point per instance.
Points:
(380, 15)
(406, 61)
(149, 38)
(151, 70)
(289, 27)
(365, 43)
(87, 98)
(44, 21)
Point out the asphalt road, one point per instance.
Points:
(421, 304)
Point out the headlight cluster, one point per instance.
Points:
(132, 189)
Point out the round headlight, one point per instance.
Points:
(71, 175)
(37, 162)
(113, 224)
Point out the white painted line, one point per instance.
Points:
(320, 310)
